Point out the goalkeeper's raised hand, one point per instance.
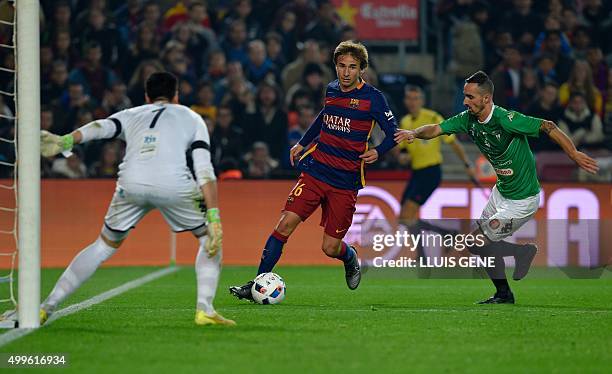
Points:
(215, 232)
(51, 144)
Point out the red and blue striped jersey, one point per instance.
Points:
(340, 134)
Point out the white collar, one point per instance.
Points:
(488, 117)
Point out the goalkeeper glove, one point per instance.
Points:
(215, 232)
(51, 144)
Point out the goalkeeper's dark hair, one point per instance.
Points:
(483, 81)
(161, 85)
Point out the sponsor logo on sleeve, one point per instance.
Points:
(504, 172)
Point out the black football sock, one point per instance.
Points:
(502, 287)
(497, 273)
(424, 225)
(414, 230)
(504, 248)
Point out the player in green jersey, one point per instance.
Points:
(501, 135)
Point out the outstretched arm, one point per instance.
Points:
(584, 161)
(51, 144)
(428, 131)
(423, 132)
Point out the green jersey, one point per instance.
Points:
(503, 141)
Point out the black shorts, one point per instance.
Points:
(422, 184)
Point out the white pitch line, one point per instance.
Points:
(21, 332)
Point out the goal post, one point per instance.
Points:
(28, 155)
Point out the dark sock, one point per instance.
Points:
(416, 229)
(346, 253)
(497, 273)
(502, 287)
(424, 225)
(272, 252)
(503, 248)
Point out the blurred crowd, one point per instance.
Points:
(256, 70)
(547, 58)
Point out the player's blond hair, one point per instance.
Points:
(355, 49)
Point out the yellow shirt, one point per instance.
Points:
(597, 106)
(424, 153)
(206, 111)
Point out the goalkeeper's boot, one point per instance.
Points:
(44, 316)
(243, 292)
(507, 298)
(523, 261)
(203, 319)
(12, 315)
(352, 272)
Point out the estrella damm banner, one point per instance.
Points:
(381, 19)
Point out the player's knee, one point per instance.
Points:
(113, 238)
(330, 249)
(286, 226)
(283, 228)
(111, 243)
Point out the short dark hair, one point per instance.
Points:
(161, 85)
(482, 80)
(575, 94)
(550, 83)
(413, 88)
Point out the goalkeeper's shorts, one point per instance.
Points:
(182, 210)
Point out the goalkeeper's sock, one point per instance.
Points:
(272, 252)
(207, 275)
(80, 269)
(346, 253)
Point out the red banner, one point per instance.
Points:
(381, 19)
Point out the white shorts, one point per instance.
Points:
(183, 209)
(502, 217)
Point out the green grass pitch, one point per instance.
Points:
(390, 324)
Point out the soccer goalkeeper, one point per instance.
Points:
(153, 174)
(501, 135)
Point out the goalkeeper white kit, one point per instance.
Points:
(154, 171)
(153, 174)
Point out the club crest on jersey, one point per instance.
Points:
(354, 103)
(510, 116)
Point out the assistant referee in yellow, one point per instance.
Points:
(424, 156)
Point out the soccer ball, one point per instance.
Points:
(269, 288)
